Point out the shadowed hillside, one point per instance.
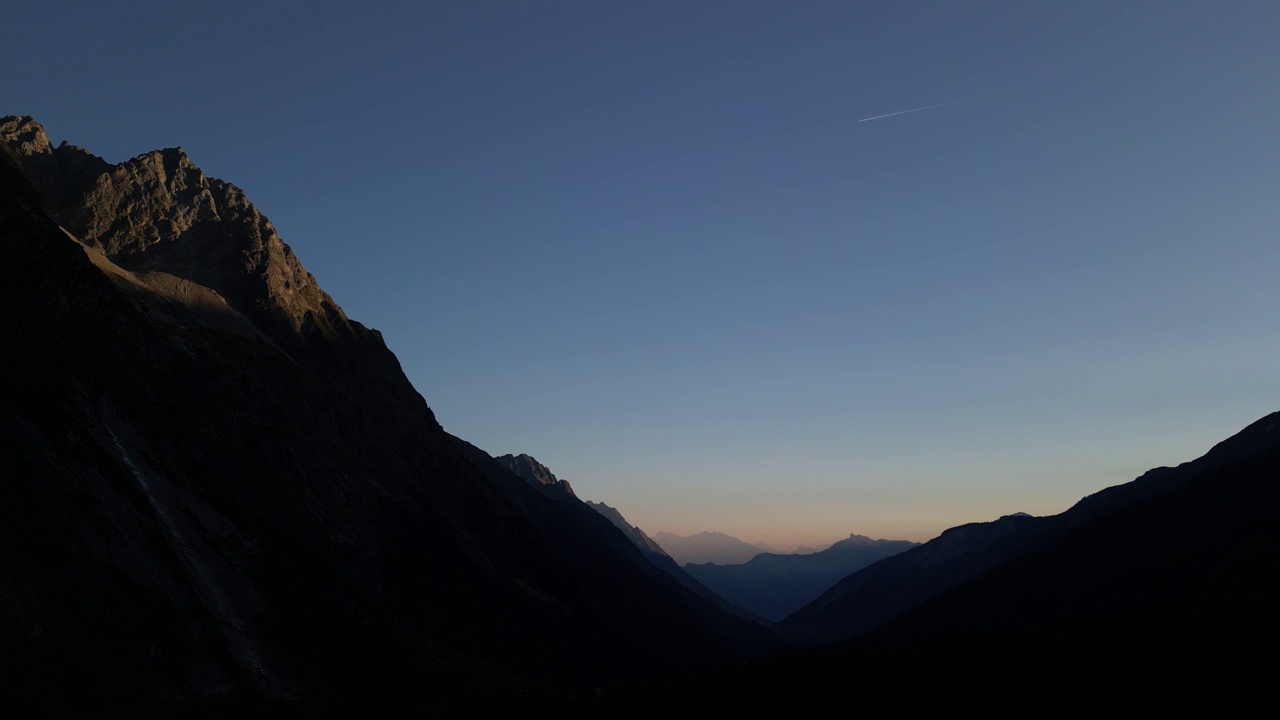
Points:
(217, 487)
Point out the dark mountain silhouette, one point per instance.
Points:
(216, 488)
(1156, 595)
(870, 597)
(606, 522)
(541, 477)
(1193, 543)
(664, 562)
(707, 547)
(219, 494)
(774, 586)
(635, 534)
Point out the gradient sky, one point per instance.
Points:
(652, 245)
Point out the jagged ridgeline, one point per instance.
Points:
(214, 486)
(219, 494)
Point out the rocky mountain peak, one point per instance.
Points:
(25, 135)
(158, 213)
(534, 473)
(197, 240)
(60, 174)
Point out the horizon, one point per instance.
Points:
(717, 308)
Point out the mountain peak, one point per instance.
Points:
(535, 473)
(159, 213)
(199, 241)
(189, 505)
(25, 135)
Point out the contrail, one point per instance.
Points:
(919, 109)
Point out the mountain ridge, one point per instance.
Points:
(875, 595)
(187, 500)
(1160, 597)
(540, 476)
(774, 585)
(536, 474)
(708, 546)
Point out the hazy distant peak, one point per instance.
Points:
(708, 546)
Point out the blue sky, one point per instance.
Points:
(652, 245)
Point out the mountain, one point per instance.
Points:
(217, 489)
(1151, 596)
(606, 523)
(867, 598)
(707, 547)
(773, 586)
(536, 474)
(635, 534)
(660, 559)
(876, 594)
(541, 477)
(1194, 547)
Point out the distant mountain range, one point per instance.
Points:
(773, 585)
(709, 547)
(1143, 597)
(864, 600)
(867, 599)
(221, 497)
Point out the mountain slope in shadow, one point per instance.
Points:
(541, 477)
(1152, 596)
(216, 489)
(876, 594)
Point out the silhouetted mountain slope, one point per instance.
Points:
(866, 599)
(653, 556)
(745, 630)
(707, 547)
(664, 562)
(214, 486)
(773, 586)
(880, 591)
(1162, 601)
(1202, 549)
(635, 534)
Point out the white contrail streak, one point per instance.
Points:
(904, 112)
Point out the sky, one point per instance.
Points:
(664, 248)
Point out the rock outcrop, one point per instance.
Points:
(536, 474)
